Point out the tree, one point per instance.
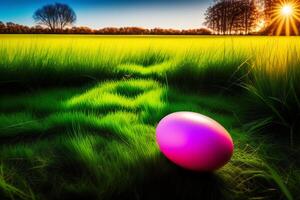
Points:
(2, 27)
(55, 16)
(232, 16)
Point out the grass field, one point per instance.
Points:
(78, 115)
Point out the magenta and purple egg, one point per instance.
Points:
(194, 141)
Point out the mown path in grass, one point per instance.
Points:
(98, 142)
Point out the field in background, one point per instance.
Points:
(78, 115)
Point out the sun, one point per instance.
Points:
(287, 10)
(286, 17)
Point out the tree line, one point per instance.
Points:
(223, 17)
(59, 18)
(12, 28)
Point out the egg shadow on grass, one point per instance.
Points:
(170, 181)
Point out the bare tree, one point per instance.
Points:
(55, 16)
(232, 16)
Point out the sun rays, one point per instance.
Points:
(285, 16)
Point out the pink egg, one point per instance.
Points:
(194, 141)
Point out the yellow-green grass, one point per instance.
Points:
(268, 67)
(68, 59)
(78, 115)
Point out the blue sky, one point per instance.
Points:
(181, 14)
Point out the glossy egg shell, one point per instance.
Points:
(194, 141)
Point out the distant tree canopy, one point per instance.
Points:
(232, 16)
(10, 27)
(55, 16)
(2, 25)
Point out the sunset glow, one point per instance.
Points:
(260, 25)
(285, 17)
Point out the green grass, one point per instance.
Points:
(78, 115)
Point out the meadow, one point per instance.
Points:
(78, 115)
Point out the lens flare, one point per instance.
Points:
(287, 10)
(286, 17)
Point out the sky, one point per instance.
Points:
(178, 14)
